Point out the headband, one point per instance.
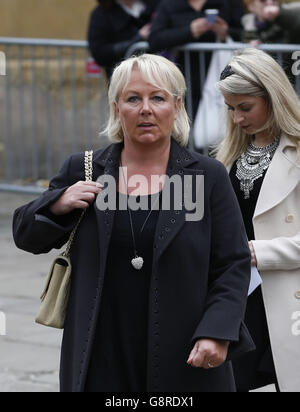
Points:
(226, 73)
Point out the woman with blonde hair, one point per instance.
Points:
(262, 153)
(157, 294)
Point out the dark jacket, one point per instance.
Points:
(171, 26)
(199, 280)
(111, 31)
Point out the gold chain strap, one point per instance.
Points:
(88, 166)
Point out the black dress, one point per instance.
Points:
(119, 357)
(254, 369)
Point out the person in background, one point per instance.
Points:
(234, 14)
(262, 153)
(287, 16)
(115, 25)
(178, 22)
(272, 22)
(268, 21)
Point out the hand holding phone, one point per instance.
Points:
(211, 15)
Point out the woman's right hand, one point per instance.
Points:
(199, 27)
(78, 196)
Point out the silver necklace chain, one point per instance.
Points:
(253, 163)
(137, 262)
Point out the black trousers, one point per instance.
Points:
(256, 369)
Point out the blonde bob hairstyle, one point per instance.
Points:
(256, 73)
(159, 72)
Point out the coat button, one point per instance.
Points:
(289, 218)
(297, 294)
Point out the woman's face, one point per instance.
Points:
(249, 112)
(257, 7)
(146, 113)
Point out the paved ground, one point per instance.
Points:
(29, 353)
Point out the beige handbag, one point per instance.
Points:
(54, 298)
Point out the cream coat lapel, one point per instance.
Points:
(281, 177)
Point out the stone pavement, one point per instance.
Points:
(29, 353)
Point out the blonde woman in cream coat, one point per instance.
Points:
(262, 154)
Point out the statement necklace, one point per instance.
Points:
(253, 163)
(137, 262)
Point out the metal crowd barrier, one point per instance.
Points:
(54, 103)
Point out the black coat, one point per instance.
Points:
(199, 281)
(111, 31)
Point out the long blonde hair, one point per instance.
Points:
(158, 71)
(257, 74)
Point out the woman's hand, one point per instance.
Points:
(208, 353)
(78, 196)
(255, 43)
(253, 255)
(199, 27)
(145, 31)
(220, 28)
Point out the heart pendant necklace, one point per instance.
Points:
(137, 262)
